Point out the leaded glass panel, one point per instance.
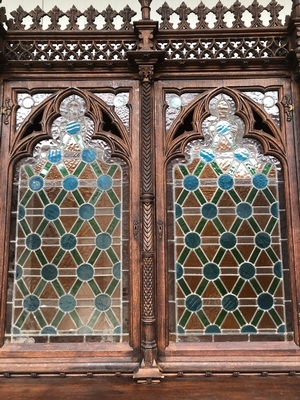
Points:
(175, 103)
(268, 101)
(69, 267)
(26, 102)
(227, 241)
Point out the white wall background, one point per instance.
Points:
(118, 5)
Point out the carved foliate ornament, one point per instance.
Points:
(146, 73)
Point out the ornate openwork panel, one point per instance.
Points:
(70, 274)
(114, 40)
(226, 210)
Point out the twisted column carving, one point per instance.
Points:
(148, 215)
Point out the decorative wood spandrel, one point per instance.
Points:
(6, 110)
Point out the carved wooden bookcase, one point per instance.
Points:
(150, 191)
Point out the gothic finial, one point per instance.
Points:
(145, 8)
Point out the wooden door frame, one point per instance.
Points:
(222, 355)
(76, 357)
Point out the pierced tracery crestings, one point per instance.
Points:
(37, 14)
(183, 11)
(219, 10)
(165, 11)
(73, 15)
(237, 10)
(91, 13)
(54, 15)
(127, 13)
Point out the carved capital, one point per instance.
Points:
(146, 73)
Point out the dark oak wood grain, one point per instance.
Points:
(171, 388)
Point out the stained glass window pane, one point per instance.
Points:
(69, 272)
(226, 234)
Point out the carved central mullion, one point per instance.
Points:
(148, 214)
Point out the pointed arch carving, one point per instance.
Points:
(37, 125)
(258, 124)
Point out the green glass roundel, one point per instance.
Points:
(88, 155)
(70, 183)
(19, 272)
(265, 301)
(191, 182)
(84, 330)
(278, 269)
(21, 212)
(31, 303)
(212, 329)
(49, 272)
(85, 272)
(178, 211)
(260, 181)
(274, 210)
(117, 271)
(86, 211)
(48, 330)
(247, 270)
(244, 210)
(67, 303)
(103, 241)
(117, 330)
(175, 102)
(281, 329)
(103, 302)
(209, 211)
(226, 182)
(51, 212)
(230, 302)
(36, 183)
(211, 271)
(262, 240)
(117, 210)
(104, 182)
(54, 156)
(248, 329)
(192, 240)
(179, 271)
(228, 240)
(180, 330)
(33, 241)
(193, 302)
(68, 241)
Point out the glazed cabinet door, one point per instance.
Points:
(70, 165)
(224, 207)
